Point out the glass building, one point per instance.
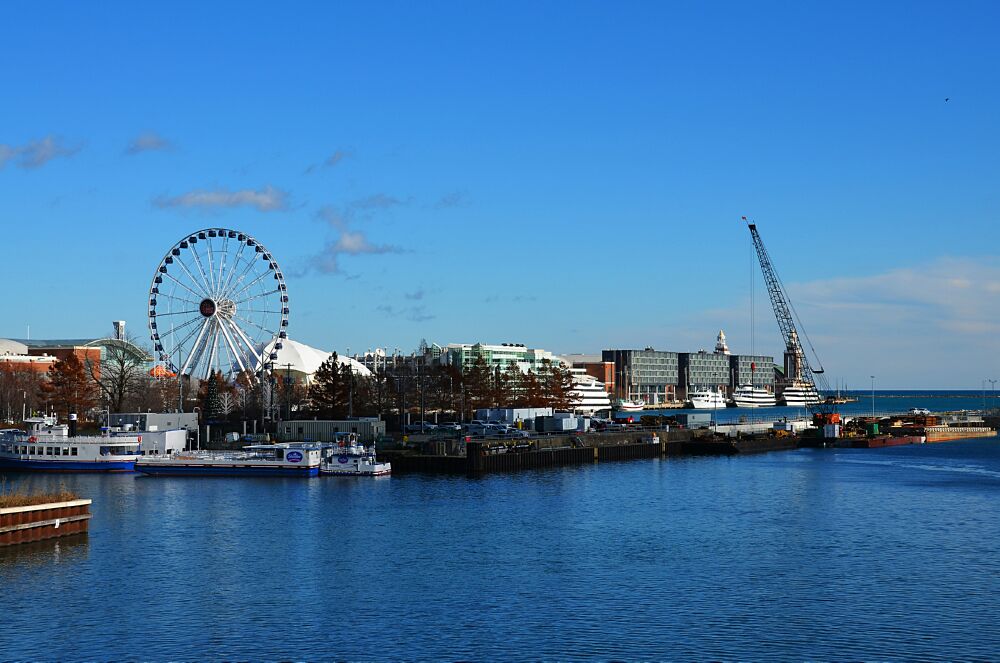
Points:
(648, 375)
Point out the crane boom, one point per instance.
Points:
(797, 366)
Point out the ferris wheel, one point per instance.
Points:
(218, 301)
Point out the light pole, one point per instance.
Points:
(993, 392)
(873, 396)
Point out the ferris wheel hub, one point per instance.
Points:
(207, 308)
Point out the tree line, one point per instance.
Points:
(122, 383)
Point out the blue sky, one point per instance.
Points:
(566, 175)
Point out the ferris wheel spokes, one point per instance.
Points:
(210, 290)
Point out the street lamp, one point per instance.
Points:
(873, 396)
(993, 392)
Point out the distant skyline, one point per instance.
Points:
(568, 175)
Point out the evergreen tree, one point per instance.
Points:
(210, 393)
(328, 392)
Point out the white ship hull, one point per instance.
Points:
(747, 396)
(706, 400)
(800, 395)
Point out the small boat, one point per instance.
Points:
(260, 460)
(706, 399)
(749, 396)
(351, 458)
(49, 447)
(630, 405)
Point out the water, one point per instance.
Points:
(812, 554)
(885, 402)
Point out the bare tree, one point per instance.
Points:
(121, 373)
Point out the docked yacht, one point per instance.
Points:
(800, 393)
(588, 394)
(50, 447)
(706, 399)
(747, 395)
(351, 458)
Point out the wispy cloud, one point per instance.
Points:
(348, 242)
(330, 161)
(454, 199)
(36, 154)
(416, 295)
(267, 199)
(932, 325)
(148, 141)
(411, 313)
(378, 201)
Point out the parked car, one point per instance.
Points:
(919, 410)
(516, 433)
(417, 428)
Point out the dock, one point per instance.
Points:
(25, 524)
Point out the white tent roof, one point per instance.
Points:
(9, 347)
(307, 359)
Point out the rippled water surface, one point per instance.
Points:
(814, 554)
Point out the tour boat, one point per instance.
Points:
(749, 396)
(263, 460)
(706, 399)
(351, 458)
(49, 447)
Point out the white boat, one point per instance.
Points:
(747, 395)
(800, 393)
(349, 457)
(588, 395)
(49, 447)
(706, 399)
(629, 405)
(265, 460)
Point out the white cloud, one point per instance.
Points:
(36, 153)
(268, 199)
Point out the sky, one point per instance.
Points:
(568, 175)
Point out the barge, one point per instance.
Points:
(261, 460)
(880, 441)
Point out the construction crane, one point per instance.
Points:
(799, 373)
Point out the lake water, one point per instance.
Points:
(812, 554)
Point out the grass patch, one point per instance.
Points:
(11, 498)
